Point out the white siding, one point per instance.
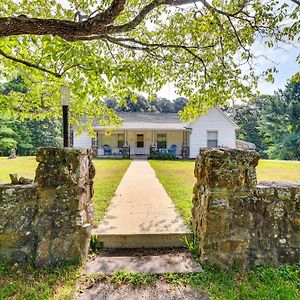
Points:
(82, 140)
(213, 121)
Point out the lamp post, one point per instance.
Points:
(64, 102)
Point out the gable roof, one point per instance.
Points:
(150, 121)
(155, 121)
(150, 117)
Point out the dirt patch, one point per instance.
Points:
(160, 291)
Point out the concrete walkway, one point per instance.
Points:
(141, 213)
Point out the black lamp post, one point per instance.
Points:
(64, 102)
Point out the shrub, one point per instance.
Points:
(163, 156)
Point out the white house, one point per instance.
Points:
(163, 131)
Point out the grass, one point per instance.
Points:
(109, 173)
(178, 178)
(26, 282)
(23, 166)
(261, 283)
(269, 170)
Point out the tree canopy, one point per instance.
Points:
(141, 104)
(115, 48)
(272, 123)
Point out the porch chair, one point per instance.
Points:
(172, 149)
(107, 150)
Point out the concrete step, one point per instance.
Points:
(154, 261)
(145, 240)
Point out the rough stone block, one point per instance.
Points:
(50, 220)
(237, 222)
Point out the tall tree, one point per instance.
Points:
(180, 103)
(280, 123)
(164, 105)
(27, 135)
(248, 116)
(7, 140)
(140, 104)
(112, 48)
(46, 132)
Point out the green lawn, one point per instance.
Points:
(23, 166)
(109, 173)
(260, 283)
(24, 282)
(269, 170)
(178, 178)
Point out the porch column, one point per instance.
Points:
(185, 146)
(95, 144)
(99, 139)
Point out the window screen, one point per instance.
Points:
(161, 141)
(212, 139)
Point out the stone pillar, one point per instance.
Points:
(65, 213)
(225, 180)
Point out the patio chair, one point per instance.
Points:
(172, 149)
(107, 150)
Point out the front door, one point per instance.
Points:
(140, 144)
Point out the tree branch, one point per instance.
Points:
(66, 29)
(296, 2)
(29, 64)
(36, 66)
(107, 17)
(221, 12)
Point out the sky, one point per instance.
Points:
(284, 59)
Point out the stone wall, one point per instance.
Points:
(240, 223)
(49, 221)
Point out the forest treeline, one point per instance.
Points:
(271, 122)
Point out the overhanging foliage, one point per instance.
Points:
(118, 48)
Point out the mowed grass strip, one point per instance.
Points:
(109, 173)
(178, 179)
(23, 166)
(271, 170)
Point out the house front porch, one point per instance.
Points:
(139, 143)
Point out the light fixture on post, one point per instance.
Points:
(64, 102)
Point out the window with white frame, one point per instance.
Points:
(212, 139)
(121, 140)
(161, 141)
